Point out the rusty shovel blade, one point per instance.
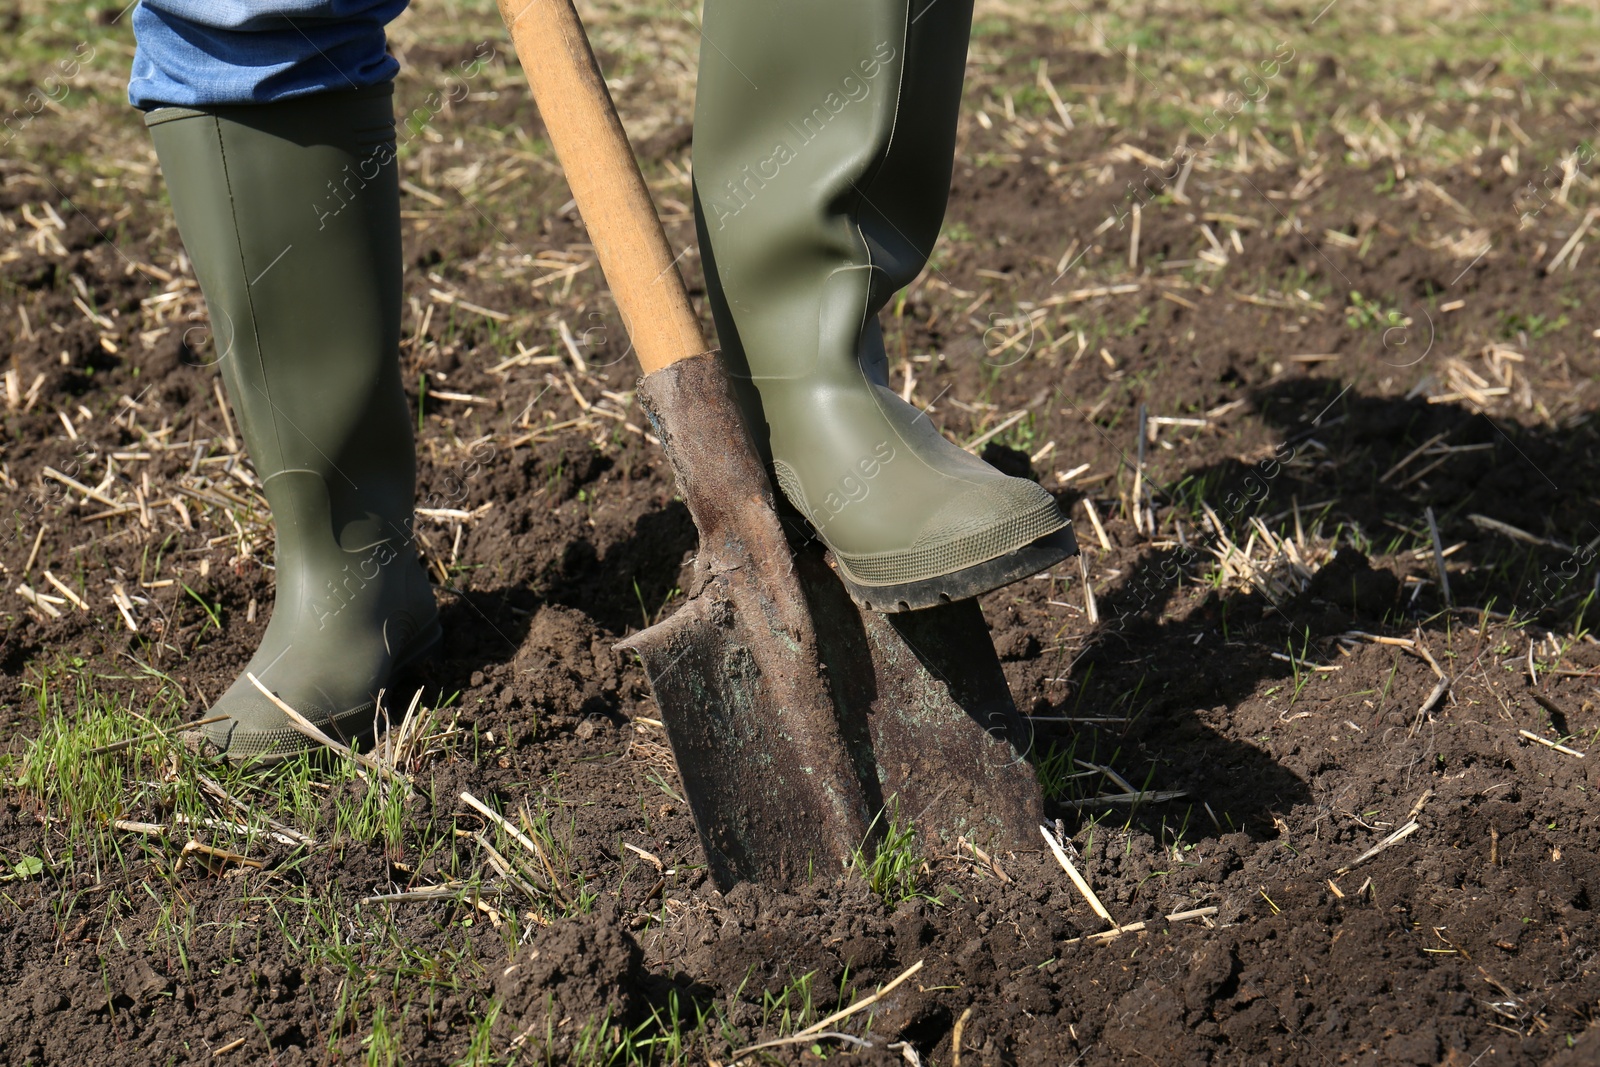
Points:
(794, 717)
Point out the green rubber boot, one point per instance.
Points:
(824, 138)
(290, 214)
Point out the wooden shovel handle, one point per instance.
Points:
(604, 176)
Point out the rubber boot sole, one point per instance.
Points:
(354, 725)
(968, 582)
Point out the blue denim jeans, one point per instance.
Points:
(198, 53)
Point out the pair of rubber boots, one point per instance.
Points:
(824, 140)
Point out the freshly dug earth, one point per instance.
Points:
(1220, 664)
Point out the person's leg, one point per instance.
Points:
(289, 211)
(824, 141)
(198, 53)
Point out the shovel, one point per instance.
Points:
(800, 724)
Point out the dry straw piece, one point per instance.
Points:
(1132, 928)
(1393, 839)
(213, 859)
(820, 1028)
(1531, 736)
(1077, 879)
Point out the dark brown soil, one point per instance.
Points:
(1473, 940)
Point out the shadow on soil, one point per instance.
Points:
(1368, 468)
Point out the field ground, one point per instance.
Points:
(1326, 378)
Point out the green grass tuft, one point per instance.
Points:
(893, 869)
